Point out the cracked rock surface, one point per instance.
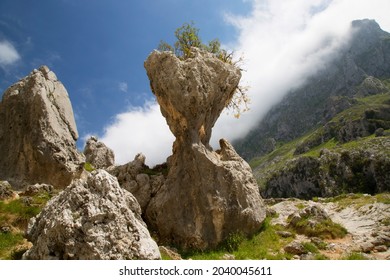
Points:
(91, 219)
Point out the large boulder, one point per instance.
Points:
(92, 219)
(38, 132)
(98, 154)
(207, 195)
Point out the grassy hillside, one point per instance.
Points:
(338, 156)
(14, 217)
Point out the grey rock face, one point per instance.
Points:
(295, 248)
(358, 170)
(37, 188)
(6, 190)
(38, 132)
(98, 154)
(133, 177)
(93, 219)
(207, 195)
(371, 86)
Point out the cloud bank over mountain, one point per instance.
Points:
(283, 43)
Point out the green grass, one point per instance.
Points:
(165, 256)
(89, 167)
(267, 244)
(310, 247)
(316, 151)
(16, 214)
(325, 229)
(8, 241)
(383, 198)
(386, 221)
(355, 256)
(22, 210)
(17, 208)
(358, 200)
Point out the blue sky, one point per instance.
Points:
(97, 49)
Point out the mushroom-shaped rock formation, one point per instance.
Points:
(207, 195)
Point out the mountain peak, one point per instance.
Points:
(367, 54)
(368, 24)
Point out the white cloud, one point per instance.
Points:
(283, 42)
(8, 54)
(140, 130)
(123, 86)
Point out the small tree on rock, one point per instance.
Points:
(187, 37)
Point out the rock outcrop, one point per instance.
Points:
(98, 154)
(38, 132)
(207, 195)
(137, 178)
(92, 219)
(365, 218)
(360, 169)
(6, 191)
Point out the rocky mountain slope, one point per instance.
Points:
(356, 71)
(350, 153)
(331, 136)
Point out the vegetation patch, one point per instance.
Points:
(8, 241)
(232, 243)
(352, 156)
(267, 244)
(15, 215)
(386, 221)
(310, 247)
(358, 200)
(89, 167)
(316, 226)
(383, 198)
(355, 256)
(187, 38)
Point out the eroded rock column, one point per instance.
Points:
(207, 195)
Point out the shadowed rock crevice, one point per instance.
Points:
(207, 195)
